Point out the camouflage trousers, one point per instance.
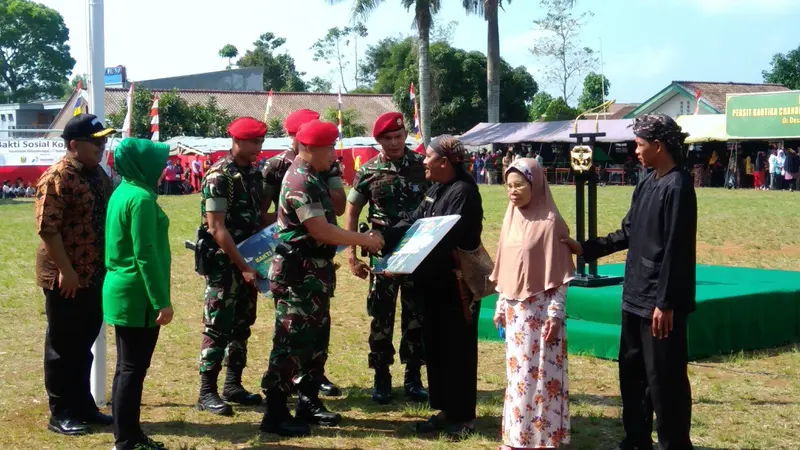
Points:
(302, 334)
(381, 306)
(228, 314)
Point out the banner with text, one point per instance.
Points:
(770, 115)
(30, 152)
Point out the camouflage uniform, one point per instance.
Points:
(230, 303)
(275, 169)
(391, 189)
(302, 312)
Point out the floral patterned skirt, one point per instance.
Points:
(535, 413)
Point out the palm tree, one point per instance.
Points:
(489, 9)
(424, 11)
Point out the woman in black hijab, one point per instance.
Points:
(450, 326)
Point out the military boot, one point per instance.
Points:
(382, 392)
(326, 387)
(234, 392)
(412, 384)
(277, 418)
(209, 398)
(310, 409)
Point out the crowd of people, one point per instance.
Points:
(105, 256)
(18, 189)
(773, 169)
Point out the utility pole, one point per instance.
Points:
(96, 88)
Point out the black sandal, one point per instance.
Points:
(435, 423)
(459, 431)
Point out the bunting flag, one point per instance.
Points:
(126, 126)
(697, 96)
(339, 114)
(416, 113)
(154, 119)
(78, 106)
(269, 106)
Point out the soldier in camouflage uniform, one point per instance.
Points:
(231, 209)
(392, 183)
(302, 280)
(274, 171)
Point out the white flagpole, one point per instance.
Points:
(96, 86)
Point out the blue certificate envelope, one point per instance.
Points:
(416, 245)
(258, 251)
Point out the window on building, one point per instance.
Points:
(2, 117)
(681, 107)
(10, 117)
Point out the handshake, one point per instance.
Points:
(372, 242)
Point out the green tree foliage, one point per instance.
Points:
(176, 116)
(280, 73)
(350, 125)
(784, 69)
(229, 52)
(275, 127)
(458, 80)
(73, 83)
(561, 47)
(34, 55)
(335, 49)
(539, 106)
(558, 109)
(595, 89)
(321, 85)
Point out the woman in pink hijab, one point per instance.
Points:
(532, 271)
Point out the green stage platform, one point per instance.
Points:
(737, 309)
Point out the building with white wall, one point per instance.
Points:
(680, 97)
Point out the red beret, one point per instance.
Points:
(388, 122)
(297, 118)
(246, 128)
(317, 134)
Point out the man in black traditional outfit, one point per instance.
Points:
(658, 293)
(450, 330)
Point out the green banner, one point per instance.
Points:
(772, 115)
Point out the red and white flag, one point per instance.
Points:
(413, 97)
(269, 106)
(126, 126)
(154, 119)
(697, 96)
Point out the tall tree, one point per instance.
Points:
(280, 73)
(785, 69)
(458, 82)
(334, 48)
(561, 46)
(177, 117)
(489, 10)
(424, 10)
(558, 109)
(73, 83)
(34, 55)
(229, 52)
(350, 124)
(539, 106)
(321, 85)
(595, 89)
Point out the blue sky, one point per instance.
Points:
(646, 43)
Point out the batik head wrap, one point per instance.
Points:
(663, 128)
(447, 146)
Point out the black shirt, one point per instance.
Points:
(660, 233)
(460, 196)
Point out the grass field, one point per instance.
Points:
(747, 400)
